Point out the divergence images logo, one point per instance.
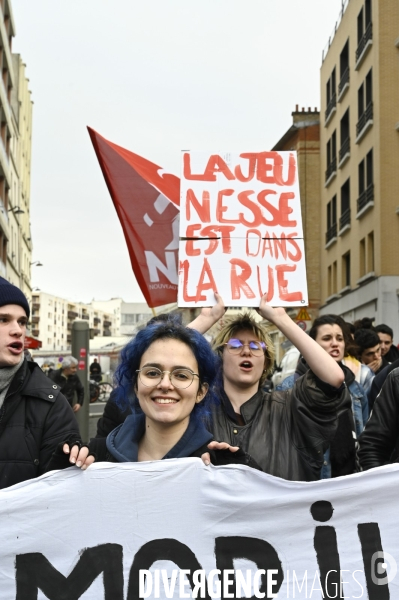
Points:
(379, 573)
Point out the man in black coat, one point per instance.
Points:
(35, 418)
(69, 383)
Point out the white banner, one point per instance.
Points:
(180, 529)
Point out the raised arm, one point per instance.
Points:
(209, 316)
(319, 361)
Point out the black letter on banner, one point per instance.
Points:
(34, 572)
(227, 549)
(325, 544)
(370, 540)
(164, 549)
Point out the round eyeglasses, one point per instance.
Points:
(179, 378)
(235, 346)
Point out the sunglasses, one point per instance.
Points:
(235, 346)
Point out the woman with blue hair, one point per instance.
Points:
(170, 369)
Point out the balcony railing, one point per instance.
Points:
(96, 320)
(364, 119)
(368, 35)
(345, 148)
(35, 332)
(331, 168)
(365, 197)
(345, 218)
(344, 81)
(330, 106)
(86, 317)
(72, 314)
(35, 306)
(331, 233)
(107, 323)
(35, 319)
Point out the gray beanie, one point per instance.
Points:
(10, 294)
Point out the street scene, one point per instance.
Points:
(199, 299)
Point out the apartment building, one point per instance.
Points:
(127, 315)
(15, 158)
(359, 142)
(19, 255)
(52, 318)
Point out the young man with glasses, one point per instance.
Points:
(286, 433)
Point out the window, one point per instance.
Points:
(344, 150)
(365, 106)
(366, 184)
(370, 252)
(346, 270)
(362, 258)
(128, 319)
(364, 32)
(331, 157)
(345, 218)
(331, 220)
(331, 96)
(332, 279)
(343, 70)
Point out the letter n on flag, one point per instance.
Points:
(147, 203)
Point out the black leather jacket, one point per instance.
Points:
(380, 439)
(285, 432)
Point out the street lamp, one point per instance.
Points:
(37, 263)
(16, 210)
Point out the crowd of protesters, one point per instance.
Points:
(177, 396)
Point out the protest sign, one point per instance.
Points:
(241, 230)
(168, 529)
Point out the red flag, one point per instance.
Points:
(147, 202)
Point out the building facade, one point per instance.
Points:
(303, 137)
(52, 318)
(15, 159)
(359, 139)
(127, 315)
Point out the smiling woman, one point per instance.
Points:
(165, 373)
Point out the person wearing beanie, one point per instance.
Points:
(34, 416)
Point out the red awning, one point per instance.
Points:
(32, 343)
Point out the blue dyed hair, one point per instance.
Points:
(126, 376)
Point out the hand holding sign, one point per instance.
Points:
(209, 315)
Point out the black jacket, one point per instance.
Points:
(112, 417)
(69, 385)
(378, 382)
(379, 440)
(34, 419)
(122, 444)
(285, 432)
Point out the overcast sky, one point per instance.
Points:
(154, 76)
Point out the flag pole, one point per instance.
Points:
(153, 311)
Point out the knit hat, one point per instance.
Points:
(10, 294)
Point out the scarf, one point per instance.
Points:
(6, 376)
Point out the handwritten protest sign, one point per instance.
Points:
(178, 529)
(241, 230)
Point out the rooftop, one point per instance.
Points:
(330, 39)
